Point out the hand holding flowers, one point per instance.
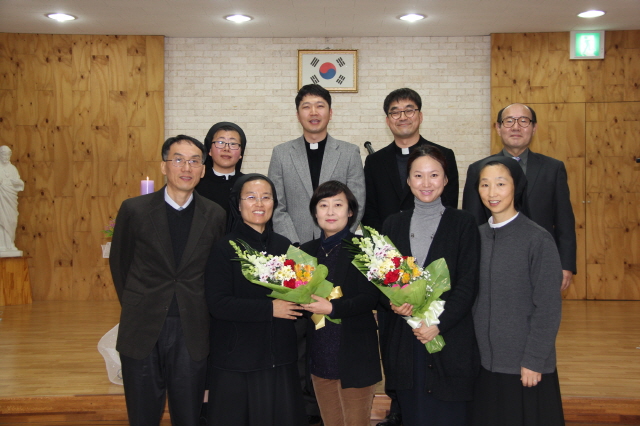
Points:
(294, 277)
(412, 290)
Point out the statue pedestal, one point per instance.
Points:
(15, 285)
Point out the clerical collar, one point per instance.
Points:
(314, 146)
(225, 175)
(501, 224)
(175, 205)
(407, 150)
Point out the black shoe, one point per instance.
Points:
(314, 420)
(393, 419)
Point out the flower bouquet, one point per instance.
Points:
(293, 277)
(402, 281)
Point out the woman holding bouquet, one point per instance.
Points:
(253, 373)
(342, 358)
(434, 389)
(517, 313)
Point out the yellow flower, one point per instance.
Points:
(415, 271)
(411, 262)
(405, 278)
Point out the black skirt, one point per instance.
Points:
(501, 400)
(257, 398)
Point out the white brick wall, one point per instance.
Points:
(253, 82)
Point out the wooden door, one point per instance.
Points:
(613, 200)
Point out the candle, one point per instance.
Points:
(146, 186)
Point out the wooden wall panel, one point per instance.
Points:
(77, 110)
(583, 121)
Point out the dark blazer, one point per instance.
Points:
(385, 193)
(358, 357)
(451, 372)
(146, 278)
(245, 336)
(547, 198)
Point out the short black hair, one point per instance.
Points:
(313, 90)
(427, 151)
(331, 188)
(534, 119)
(401, 94)
(166, 146)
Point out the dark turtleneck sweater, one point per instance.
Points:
(179, 227)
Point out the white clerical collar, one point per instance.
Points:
(501, 224)
(226, 175)
(175, 205)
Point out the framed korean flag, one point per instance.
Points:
(335, 70)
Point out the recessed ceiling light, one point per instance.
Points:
(412, 17)
(238, 18)
(61, 17)
(591, 14)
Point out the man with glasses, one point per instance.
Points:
(386, 170)
(225, 142)
(386, 182)
(547, 190)
(160, 247)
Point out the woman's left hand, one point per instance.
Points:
(320, 306)
(529, 378)
(426, 334)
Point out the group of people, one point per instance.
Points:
(193, 328)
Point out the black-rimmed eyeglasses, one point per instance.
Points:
(409, 112)
(234, 146)
(522, 121)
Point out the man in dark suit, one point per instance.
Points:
(385, 171)
(160, 247)
(547, 187)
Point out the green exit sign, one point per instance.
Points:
(587, 44)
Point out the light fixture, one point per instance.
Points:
(591, 14)
(238, 18)
(412, 17)
(61, 17)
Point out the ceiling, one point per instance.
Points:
(318, 18)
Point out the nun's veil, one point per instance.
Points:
(235, 217)
(519, 180)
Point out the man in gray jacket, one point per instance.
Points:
(297, 167)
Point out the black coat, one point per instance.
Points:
(217, 188)
(358, 357)
(245, 336)
(547, 198)
(385, 192)
(451, 372)
(145, 276)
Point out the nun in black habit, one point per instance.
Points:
(252, 362)
(218, 180)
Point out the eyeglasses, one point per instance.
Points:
(522, 121)
(409, 112)
(234, 146)
(252, 199)
(179, 162)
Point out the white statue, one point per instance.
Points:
(10, 185)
